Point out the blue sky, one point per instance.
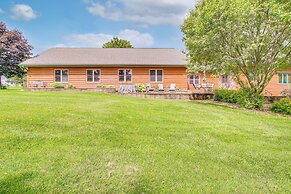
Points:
(90, 23)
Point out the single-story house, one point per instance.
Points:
(90, 67)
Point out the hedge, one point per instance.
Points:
(283, 106)
(243, 97)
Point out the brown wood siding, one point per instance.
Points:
(109, 76)
(274, 87)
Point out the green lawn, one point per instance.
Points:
(89, 142)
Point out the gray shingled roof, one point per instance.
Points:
(108, 56)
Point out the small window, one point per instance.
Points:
(285, 78)
(224, 79)
(156, 75)
(121, 75)
(194, 79)
(93, 75)
(152, 75)
(128, 75)
(124, 75)
(58, 75)
(159, 75)
(61, 75)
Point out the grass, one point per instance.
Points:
(88, 142)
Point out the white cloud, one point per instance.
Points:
(88, 40)
(59, 45)
(149, 12)
(23, 12)
(137, 39)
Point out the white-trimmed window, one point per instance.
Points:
(156, 75)
(285, 78)
(194, 79)
(61, 75)
(93, 75)
(124, 75)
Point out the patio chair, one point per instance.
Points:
(149, 88)
(197, 86)
(172, 87)
(161, 87)
(44, 84)
(127, 88)
(38, 84)
(285, 92)
(207, 86)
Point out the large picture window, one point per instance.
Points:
(61, 75)
(124, 75)
(93, 75)
(285, 78)
(194, 79)
(156, 75)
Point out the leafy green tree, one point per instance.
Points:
(117, 43)
(15, 80)
(249, 39)
(14, 49)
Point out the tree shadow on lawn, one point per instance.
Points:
(142, 186)
(17, 184)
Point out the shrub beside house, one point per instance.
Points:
(283, 106)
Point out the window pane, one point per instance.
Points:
(285, 78)
(65, 76)
(152, 75)
(57, 72)
(57, 78)
(191, 79)
(89, 75)
(160, 75)
(289, 78)
(65, 72)
(96, 75)
(128, 75)
(121, 75)
(197, 79)
(57, 75)
(280, 77)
